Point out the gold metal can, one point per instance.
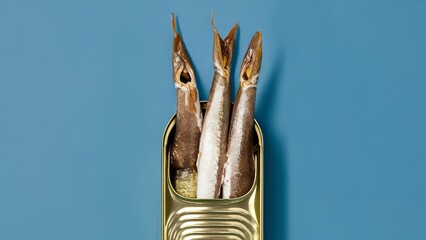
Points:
(190, 219)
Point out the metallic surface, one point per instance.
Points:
(190, 219)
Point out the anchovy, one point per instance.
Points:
(184, 150)
(214, 134)
(239, 167)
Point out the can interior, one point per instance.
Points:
(172, 171)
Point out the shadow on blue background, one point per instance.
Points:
(275, 163)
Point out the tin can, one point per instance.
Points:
(189, 219)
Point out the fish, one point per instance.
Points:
(214, 133)
(185, 146)
(239, 166)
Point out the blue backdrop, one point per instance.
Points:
(86, 90)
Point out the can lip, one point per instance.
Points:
(169, 127)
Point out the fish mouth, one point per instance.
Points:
(183, 72)
(223, 49)
(252, 60)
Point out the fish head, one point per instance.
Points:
(252, 61)
(183, 72)
(223, 50)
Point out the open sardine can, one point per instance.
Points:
(189, 219)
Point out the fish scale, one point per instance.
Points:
(214, 134)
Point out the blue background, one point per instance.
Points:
(86, 91)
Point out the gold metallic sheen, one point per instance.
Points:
(190, 219)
